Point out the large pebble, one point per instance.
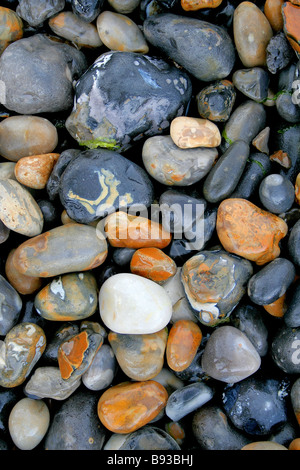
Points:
(119, 33)
(188, 399)
(226, 173)
(102, 370)
(183, 342)
(69, 297)
(252, 33)
(47, 382)
(205, 50)
(114, 182)
(20, 351)
(34, 171)
(131, 304)
(129, 231)
(18, 209)
(239, 228)
(69, 26)
(64, 249)
(141, 357)
(116, 100)
(28, 423)
(249, 319)
(23, 284)
(173, 166)
(213, 431)
(229, 356)
(271, 282)
(190, 132)
(35, 12)
(128, 406)
(36, 75)
(11, 27)
(257, 406)
(291, 17)
(214, 283)
(21, 136)
(75, 425)
(285, 349)
(10, 306)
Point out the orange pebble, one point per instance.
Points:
(295, 444)
(23, 284)
(129, 231)
(128, 406)
(184, 339)
(153, 264)
(291, 21)
(272, 10)
(193, 5)
(34, 171)
(71, 354)
(277, 308)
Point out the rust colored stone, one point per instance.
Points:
(23, 284)
(153, 264)
(34, 171)
(248, 231)
(291, 22)
(272, 10)
(277, 308)
(297, 189)
(71, 354)
(128, 406)
(194, 5)
(189, 132)
(282, 158)
(295, 444)
(183, 342)
(129, 231)
(264, 445)
(11, 27)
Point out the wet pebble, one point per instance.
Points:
(215, 102)
(229, 356)
(28, 423)
(47, 382)
(285, 349)
(189, 132)
(35, 12)
(140, 305)
(102, 370)
(188, 399)
(257, 167)
(153, 264)
(183, 342)
(253, 83)
(292, 314)
(10, 306)
(34, 171)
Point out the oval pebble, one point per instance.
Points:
(183, 342)
(188, 399)
(189, 132)
(47, 382)
(10, 306)
(11, 27)
(102, 370)
(153, 264)
(34, 171)
(28, 423)
(23, 284)
(69, 26)
(276, 193)
(140, 306)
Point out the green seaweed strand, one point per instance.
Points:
(96, 143)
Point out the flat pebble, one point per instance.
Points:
(102, 370)
(229, 356)
(69, 26)
(28, 423)
(47, 382)
(21, 136)
(188, 132)
(128, 406)
(140, 305)
(188, 399)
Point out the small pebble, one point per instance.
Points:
(11, 27)
(188, 132)
(183, 342)
(69, 26)
(28, 423)
(47, 382)
(188, 399)
(153, 264)
(10, 306)
(215, 102)
(102, 370)
(34, 171)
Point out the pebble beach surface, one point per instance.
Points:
(149, 225)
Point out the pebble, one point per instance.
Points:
(153, 264)
(40, 92)
(216, 101)
(291, 17)
(194, 5)
(128, 231)
(7, 170)
(75, 425)
(65, 331)
(4, 232)
(34, 171)
(23, 136)
(21, 349)
(239, 228)
(252, 82)
(69, 26)
(102, 370)
(123, 256)
(279, 53)
(140, 305)
(188, 399)
(292, 313)
(53, 183)
(263, 445)
(124, 6)
(229, 356)
(256, 406)
(87, 10)
(278, 307)
(261, 141)
(76, 353)
(28, 423)
(47, 382)
(128, 406)
(143, 81)
(141, 357)
(213, 431)
(285, 349)
(147, 438)
(10, 306)
(64, 249)
(183, 342)
(35, 12)
(272, 10)
(119, 33)
(257, 167)
(224, 177)
(170, 165)
(115, 183)
(188, 132)
(204, 49)
(70, 297)
(293, 244)
(281, 158)
(214, 283)
(252, 33)
(271, 281)
(295, 444)
(295, 398)
(11, 27)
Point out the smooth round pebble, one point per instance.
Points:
(47, 382)
(183, 342)
(102, 370)
(69, 26)
(34, 171)
(276, 193)
(189, 132)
